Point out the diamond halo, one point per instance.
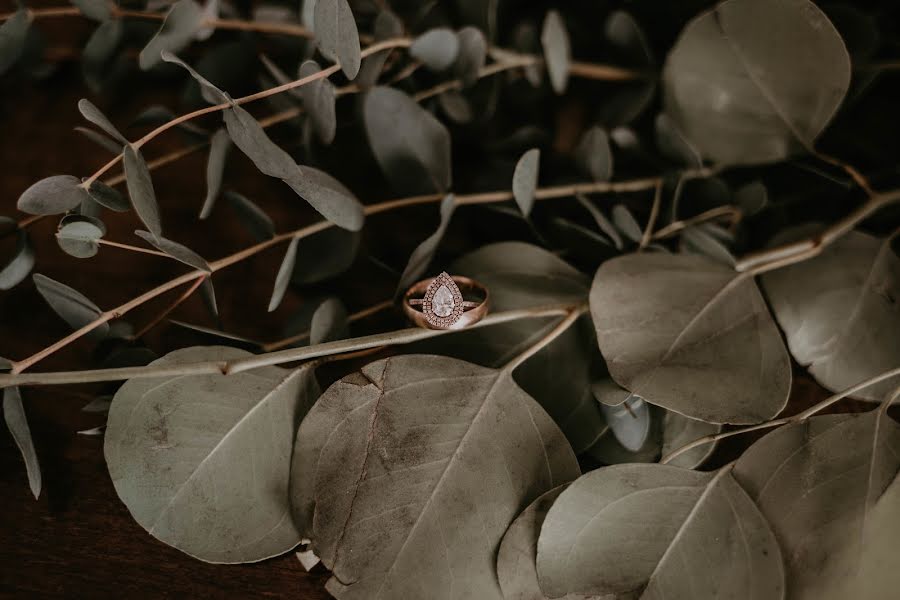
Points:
(443, 302)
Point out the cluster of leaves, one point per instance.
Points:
(518, 459)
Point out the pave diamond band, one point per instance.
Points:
(439, 304)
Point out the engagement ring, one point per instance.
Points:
(439, 303)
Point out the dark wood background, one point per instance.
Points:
(77, 539)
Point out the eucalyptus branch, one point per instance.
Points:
(676, 227)
(378, 340)
(372, 209)
(130, 248)
(799, 417)
(794, 252)
(654, 214)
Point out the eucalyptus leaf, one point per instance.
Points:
(17, 268)
(324, 255)
(679, 430)
(16, 422)
(101, 140)
(108, 197)
(212, 445)
(52, 196)
(829, 488)
(698, 240)
(329, 322)
(411, 146)
(672, 143)
(78, 235)
(324, 193)
(839, 312)
(422, 256)
(520, 275)
(417, 448)
(386, 26)
(98, 405)
(629, 422)
(253, 218)
(13, 33)
(180, 26)
(472, 55)
(95, 116)
(100, 57)
(690, 335)
(319, 101)
(219, 145)
(71, 305)
(437, 48)
(177, 251)
(557, 51)
(336, 33)
(208, 91)
(221, 337)
(653, 531)
(624, 33)
(456, 106)
(97, 10)
(608, 450)
(604, 224)
(756, 81)
(283, 279)
(140, 189)
(594, 155)
(626, 223)
(516, 569)
(525, 180)
(752, 198)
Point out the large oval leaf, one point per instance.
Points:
(407, 474)
(410, 145)
(52, 195)
(202, 461)
(829, 488)
(755, 81)
(652, 531)
(692, 336)
(71, 305)
(337, 34)
(520, 275)
(840, 314)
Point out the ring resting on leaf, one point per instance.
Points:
(439, 303)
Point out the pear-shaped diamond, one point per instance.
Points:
(442, 302)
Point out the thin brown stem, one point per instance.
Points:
(852, 171)
(165, 313)
(654, 214)
(787, 254)
(573, 314)
(130, 248)
(30, 220)
(733, 212)
(802, 416)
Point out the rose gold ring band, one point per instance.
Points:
(462, 313)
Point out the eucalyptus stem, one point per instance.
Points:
(654, 214)
(799, 417)
(378, 340)
(362, 314)
(560, 328)
(676, 227)
(168, 310)
(130, 248)
(794, 252)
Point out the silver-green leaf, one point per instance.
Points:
(52, 196)
(652, 531)
(329, 322)
(177, 251)
(414, 449)
(437, 48)
(177, 31)
(19, 265)
(744, 91)
(283, 278)
(202, 461)
(690, 335)
(14, 415)
(95, 116)
(71, 305)
(13, 33)
(140, 189)
(78, 235)
(423, 254)
(337, 35)
(219, 145)
(840, 313)
(525, 180)
(829, 488)
(557, 51)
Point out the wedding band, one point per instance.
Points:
(439, 304)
